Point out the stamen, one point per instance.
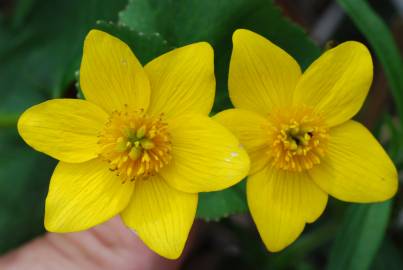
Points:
(135, 145)
(297, 138)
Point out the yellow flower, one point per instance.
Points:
(297, 131)
(140, 145)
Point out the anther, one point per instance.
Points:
(297, 138)
(135, 144)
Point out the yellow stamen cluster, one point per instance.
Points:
(135, 145)
(297, 138)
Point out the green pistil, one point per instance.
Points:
(141, 132)
(298, 137)
(136, 142)
(147, 144)
(135, 153)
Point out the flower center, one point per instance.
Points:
(135, 145)
(297, 138)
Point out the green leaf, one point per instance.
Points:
(381, 40)
(186, 21)
(8, 120)
(24, 178)
(183, 22)
(38, 58)
(39, 53)
(389, 257)
(360, 236)
(312, 239)
(269, 21)
(365, 225)
(22, 10)
(146, 46)
(215, 205)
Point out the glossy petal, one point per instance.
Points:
(84, 195)
(65, 129)
(161, 215)
(281, 203)
(110, 74)
(261, 75)
(249, 127)
(337, 83)
(356, 168)
(182, 81)
(205, 155)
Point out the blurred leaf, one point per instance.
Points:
(21, 11)
(365, 225)
(381, 40)
(8, 120)
(39, 53)
(389, 257)
(24, 178)
(315, 237)
(305, 266)
(186, 21)
(360, 236)
(395, 143)
(38, 59)
(215, 205)
(268, 21)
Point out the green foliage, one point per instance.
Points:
(146, 46)
(24, 177)
(40, 48)
(186, 21)
(365, 225)
(360, 236)
(215, 205)
(389, 257)
(382, 42)
(386, 50)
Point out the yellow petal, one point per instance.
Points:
(205, 155)
(337, 83)
(281, 203)
(251, 130)
(65, 129)
(161, 215)
(356, 168)
(110, 74)
(182, 81)
(84, 195)
(261, 75)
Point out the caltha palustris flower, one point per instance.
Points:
(140, 145)
(297, 130)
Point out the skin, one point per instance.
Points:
(107, 246)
